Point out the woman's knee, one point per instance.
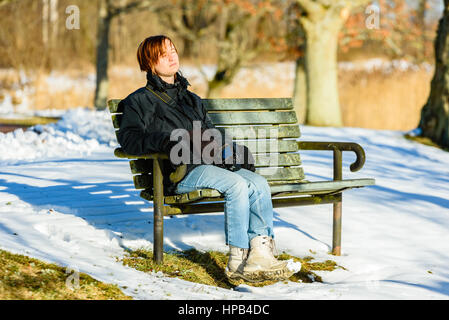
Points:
(259, 183)
(236, 184)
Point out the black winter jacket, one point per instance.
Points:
(147, 121)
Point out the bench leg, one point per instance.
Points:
(336, 235)
(158, 206)
(338, 175)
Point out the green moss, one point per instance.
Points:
(24, 278)
(208, 267)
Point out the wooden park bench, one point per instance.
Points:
(249, 119)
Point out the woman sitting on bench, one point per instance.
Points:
(152, 113)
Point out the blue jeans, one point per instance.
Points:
(248, 208)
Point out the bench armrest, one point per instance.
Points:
(119, 153)
(175, 176)
(337, 148)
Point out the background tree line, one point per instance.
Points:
(227, 33)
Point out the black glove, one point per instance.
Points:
(241, 158)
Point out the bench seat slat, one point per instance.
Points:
(210, 207)
(311, 188)
(319, 186)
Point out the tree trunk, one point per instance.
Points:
(434, 121)
(323, 106)
(45, 13)
(300, 90)
(421, 24)
(223, 77)
(188, 48)
(102, 84)
(54, 20)
(214, 90)
(50, 20)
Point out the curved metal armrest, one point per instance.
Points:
(178, 174)
(337, 146)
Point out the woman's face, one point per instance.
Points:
(168, 63)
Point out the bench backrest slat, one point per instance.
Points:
(230, 104)
(261, 131)
(239, 118)
(261, 161)
(270, 146)
(115, 106)
(243, 117)
(248, 104)
(281, 174)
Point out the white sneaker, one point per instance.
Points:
(261, 265)
(237, 259)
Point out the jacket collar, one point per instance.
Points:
(157, 83)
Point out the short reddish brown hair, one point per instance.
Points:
(150, 50)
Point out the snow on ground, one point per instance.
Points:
(65, 198)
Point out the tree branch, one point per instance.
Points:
(317, 6)
(134, 6)
(310, 6)
(4, 2)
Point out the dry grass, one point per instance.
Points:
(24, 278)
(369, 100)
(208, 267)
(69, 96)
(383, 101)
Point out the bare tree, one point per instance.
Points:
(107, 11)
(297, 47)
(50, 19)
(434, 121)
(321, 21)
(191, 21)
(234, 27)
(240, 39)
(422, 26)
